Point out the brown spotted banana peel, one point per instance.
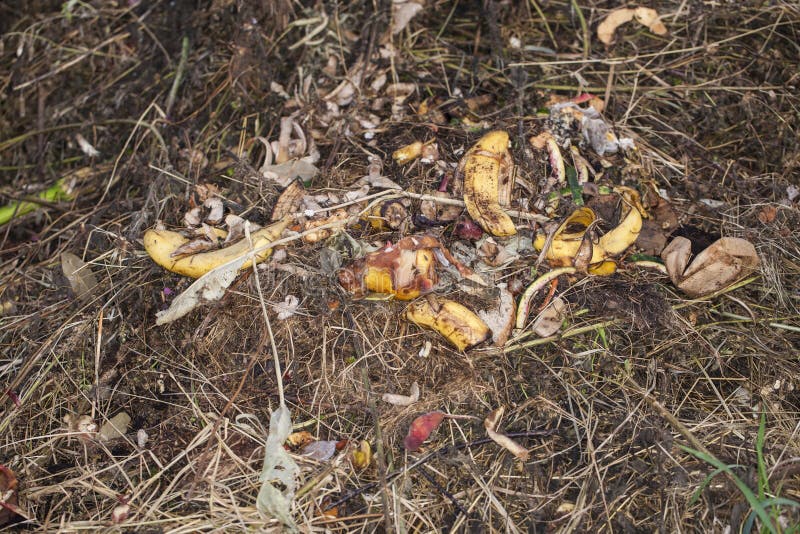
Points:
(566, 245)
(160, 244)
(457, 323)
(487, 174)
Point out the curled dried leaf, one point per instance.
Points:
(491, 423)
(403, 400)
(644, 15)
(724, 262)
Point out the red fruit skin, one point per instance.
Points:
(420, 429)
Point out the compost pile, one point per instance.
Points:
(405, 266)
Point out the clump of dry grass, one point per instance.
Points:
(604, 408)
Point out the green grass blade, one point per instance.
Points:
(756, 504)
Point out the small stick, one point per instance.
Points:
(176, 83)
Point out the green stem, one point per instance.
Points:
(56, 192)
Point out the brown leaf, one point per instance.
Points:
(289, 201)
(421, 428)
(550, 319)
(79, 274)
(767, 214)
(724, 262)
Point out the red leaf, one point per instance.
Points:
(421, 428)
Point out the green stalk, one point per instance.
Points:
(56, 192)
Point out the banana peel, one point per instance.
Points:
(404, 270)
(161, 244)
(457, 323)
(488, 180)
(573, 245)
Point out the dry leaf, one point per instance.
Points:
(644, 15)
(421, 428)
(116, 427)
(550, 319)
(403, 400)
(287, 308)
(278, 467)
(724, 262)
(80, 276)
(322, 451)
(208, 288)
(491, 422)
(289, 201)
(767, 214)
(402, 13)
(500, 319)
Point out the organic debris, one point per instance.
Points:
(488, 180)
(403, 400)
(114, 428)
(415, 152)
(405, 270)
(491, 423)
(724, 262)
(643, 15)
(457, 323)
(79, 274)
(421, 429)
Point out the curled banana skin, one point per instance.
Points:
(487, 177)
(160, 244)
(457, 323)
(565, 246)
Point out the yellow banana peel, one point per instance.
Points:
(524, 306)
(457, 323)
(160, 244)
(569, 242)
(488, 178)
(408, 153)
